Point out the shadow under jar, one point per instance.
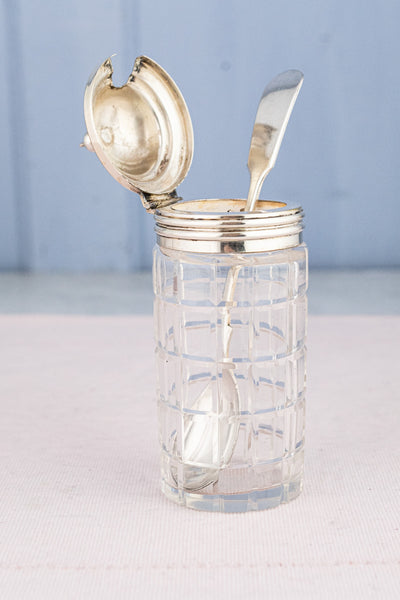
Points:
(230, 324)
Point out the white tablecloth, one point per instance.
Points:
(81, 511)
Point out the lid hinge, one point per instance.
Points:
(152, 202)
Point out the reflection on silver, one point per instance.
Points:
(141, 132)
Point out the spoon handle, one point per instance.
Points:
(229, 292)
(272, 117)
(256, 182)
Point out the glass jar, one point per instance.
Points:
(230, 325)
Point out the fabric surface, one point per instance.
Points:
(81, 511)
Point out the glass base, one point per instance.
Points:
(232, 503)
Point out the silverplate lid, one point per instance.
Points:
(141, 132)
(222, 226)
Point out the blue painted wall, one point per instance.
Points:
(60, 210)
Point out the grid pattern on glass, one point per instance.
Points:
(267, 360)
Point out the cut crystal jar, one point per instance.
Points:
(230, 325)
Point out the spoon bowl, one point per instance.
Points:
(208, 437)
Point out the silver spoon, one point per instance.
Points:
(211, 441)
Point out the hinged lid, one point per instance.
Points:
(141, 132)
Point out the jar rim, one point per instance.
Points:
(204, 226)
